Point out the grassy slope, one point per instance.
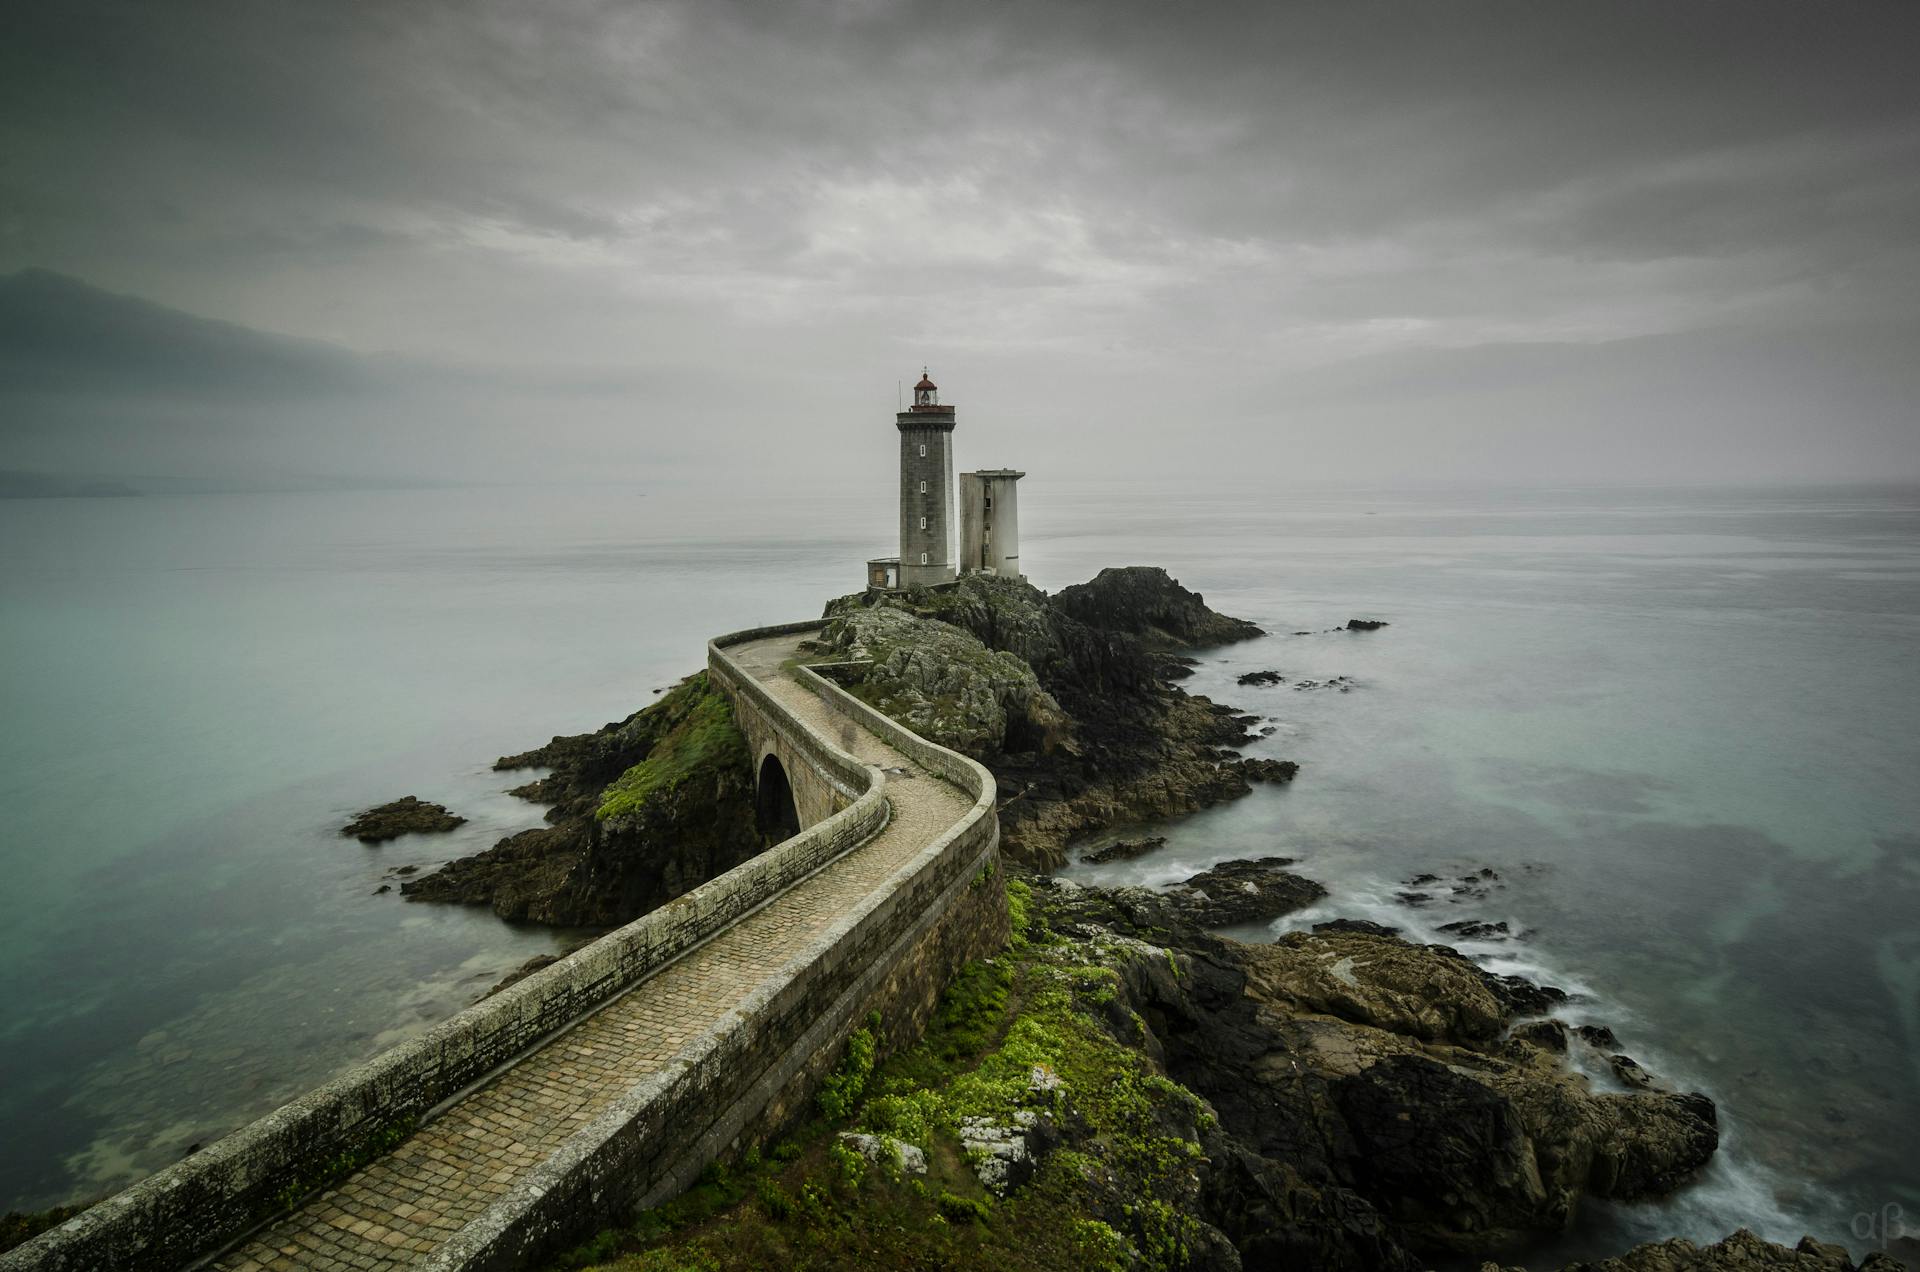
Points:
(810, 1203)
(700, 734)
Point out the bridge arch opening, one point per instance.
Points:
(775, 813)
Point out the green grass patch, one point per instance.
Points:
(810, 1203)
(698, 733)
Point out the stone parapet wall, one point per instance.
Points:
(837, 778)
(893, 953)
(205, 1202)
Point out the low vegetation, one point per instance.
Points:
(1018, 1033)
(702, 737)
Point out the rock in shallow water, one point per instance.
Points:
(408, 815)
(1122, 850)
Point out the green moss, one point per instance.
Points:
(699, 734)
(1019, 908)
(840, 1093)
(1104, 1203)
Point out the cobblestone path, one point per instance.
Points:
(402, 1205)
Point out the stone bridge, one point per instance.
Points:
(605, 1083)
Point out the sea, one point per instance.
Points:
(1681, 727)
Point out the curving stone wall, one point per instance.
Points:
(892, 953)
(206, 1201)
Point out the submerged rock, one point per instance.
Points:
(405, 816)
(1122, 850)
(1476, 930)
(1261, 678)
(1364, 624)
(1367, 926)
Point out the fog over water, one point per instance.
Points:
(388, 387)
(1677, 723)
(1347, 242)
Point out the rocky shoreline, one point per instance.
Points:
(1339, 1098)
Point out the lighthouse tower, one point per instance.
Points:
(926, 488)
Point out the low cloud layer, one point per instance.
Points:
(1353, 242)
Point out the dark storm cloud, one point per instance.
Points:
(1190, 213)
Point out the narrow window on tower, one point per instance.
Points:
(923, 523)
(923, 450)
(923, 558)
(923, 487)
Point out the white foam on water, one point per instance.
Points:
(1733, 1191)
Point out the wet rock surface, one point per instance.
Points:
(407, 815)
(1377, 1107)
(1242, 892)
(1741, 1252)
(1144, 601)
(1122, 850)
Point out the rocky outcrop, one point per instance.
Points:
(1066, 699)
(1376, 1111)
(1231, 893)
(1145, 602)
(1122, 850)
(643, 810)
(1741, 1252)
(407, 815)
(945, 684)
(1364, 624)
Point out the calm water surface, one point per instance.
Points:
(1679, 724)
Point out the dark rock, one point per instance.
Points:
(404, 816)
(1549, 1035)
(1145, 602)
(1741, 1252)
(586, 870)
(1522, 997)
(1064, 699)
(1367, 926)
(1122, 850)
(1413, 900)
(1262, 678)
(1372, 1106)
(1344, 684)
(1421, 880)
(1628, 1070)
(1174, 666)
(1475, 930)
(385, 887)
(1242, 892)
(1598, 1036)
(1364, 624)
(1267, 770)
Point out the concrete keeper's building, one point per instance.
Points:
(989, 508)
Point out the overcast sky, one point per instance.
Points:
(1535, 242)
